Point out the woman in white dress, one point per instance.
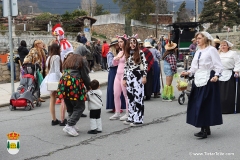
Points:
(54, 67)
(231, 67)
(204, 107)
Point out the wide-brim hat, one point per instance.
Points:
(113, 41)
(147, 45)
(216, 40)
(170, 45)
(140, 41)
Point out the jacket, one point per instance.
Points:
(82, 73)
(22, 51)
(89, 55)
(94, 99)
(105, 49)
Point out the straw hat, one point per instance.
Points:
(113, 41)
(147, 45)
(193, 39)
(170, 45)
(216, 40)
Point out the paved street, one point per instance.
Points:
(164, 135)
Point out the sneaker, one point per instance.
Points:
(70, 130)
(124, 118)
(92, 71)
(92, 131)
(115, 116)
(56, 122)
(99, 131)
(58, 101)
(166, 100)
(127, 122)
(135, 124)
(76, 128)
(63, 123)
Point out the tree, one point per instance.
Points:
(182, 14)
(162, 6)
(136, 9)
(71, 16)
(100, 10)
(224, 13)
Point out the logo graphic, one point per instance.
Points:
(13, 144)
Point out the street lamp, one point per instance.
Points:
(32, 9)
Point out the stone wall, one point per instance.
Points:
(109, 30)
(5, 74)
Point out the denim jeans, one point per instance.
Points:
(9, 68)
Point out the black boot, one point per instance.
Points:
(202, 133)
(208, 130)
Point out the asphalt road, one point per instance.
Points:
(164, 136)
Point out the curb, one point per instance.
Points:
(46, 96)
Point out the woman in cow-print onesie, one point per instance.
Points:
(135, 72)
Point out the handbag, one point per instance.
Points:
(51, 86)
(39, 77)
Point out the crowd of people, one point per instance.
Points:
(134, 77)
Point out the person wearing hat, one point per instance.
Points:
(170, 68)
(204, 107)
(216, 42)
(119, 88)
(193, 47)
(156, 69)
(113, 51)
(227, 82)
(150, 60)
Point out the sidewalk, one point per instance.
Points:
(5, 89)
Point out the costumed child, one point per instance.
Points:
(170, 68)
(94, 105)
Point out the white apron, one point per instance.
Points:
(201, 77)
(226, 75)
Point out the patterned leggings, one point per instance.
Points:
(135, 93)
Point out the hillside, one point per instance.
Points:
(61, 6)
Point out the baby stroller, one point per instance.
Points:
(27, 95)
(185, 91)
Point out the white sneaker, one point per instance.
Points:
(92, 71)
(124, 118)
(76, 128)
(115, 116)
(127, 122)
(70, 130)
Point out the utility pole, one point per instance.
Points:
(196, 10)
(157, 11)
(10, 43)
(90, 4)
